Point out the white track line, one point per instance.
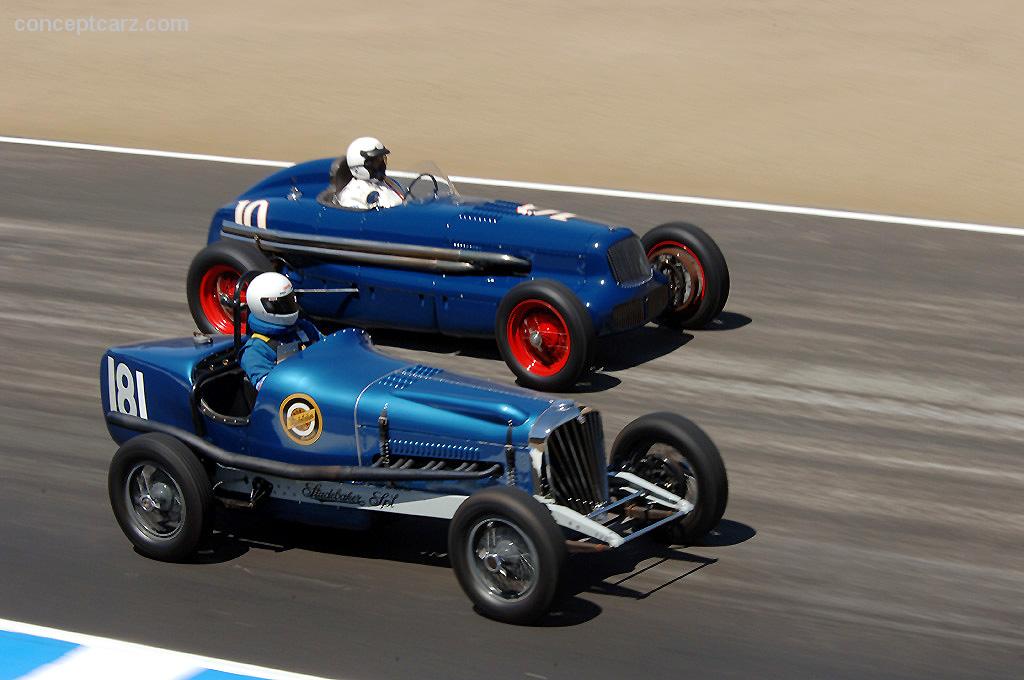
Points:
(569, 189)
(108, 648)
(115, 664)
(145, 152)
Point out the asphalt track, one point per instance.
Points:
(865, 387)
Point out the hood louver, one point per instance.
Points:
(491, 211)
(408, 376)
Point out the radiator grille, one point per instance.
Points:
(629, 263)
(576, 469)
(629, 315)
(638, 311)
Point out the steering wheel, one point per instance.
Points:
(420, 176)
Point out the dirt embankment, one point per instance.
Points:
(911, 107)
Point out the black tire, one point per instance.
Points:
(688, 456)
(171, 460)
(686, 254)
(544, 296)
(498, 508)
(240, 257)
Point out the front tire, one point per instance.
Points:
(161, 496)
(507, 554)
(545, 335)
(671, 451)
(697, 272)
(211, 282)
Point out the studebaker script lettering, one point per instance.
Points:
(343, 496)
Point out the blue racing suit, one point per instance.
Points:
(268, 345)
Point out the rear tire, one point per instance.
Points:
(697, 272)
(161, 496)
(214, 272)
(507, 554)
(545, 335)
(671, 451)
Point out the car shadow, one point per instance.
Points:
(626, 350)
(424, 541)
(613, 354)
(607, 572)
(417, 540)
(435, 343)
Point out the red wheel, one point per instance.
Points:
(698, 277)
(211, 281)
(216, 291)
(538, 337)
(545, 334)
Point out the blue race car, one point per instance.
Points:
(545, 284)
(339, 433)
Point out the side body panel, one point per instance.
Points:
(559, 246)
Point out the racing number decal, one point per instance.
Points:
(531, 209)
(245, 210)
(126, 393)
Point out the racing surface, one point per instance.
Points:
(864, 386)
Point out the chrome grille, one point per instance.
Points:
(576, 469)
(629, 263)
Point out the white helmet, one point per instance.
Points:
(271, 299)
(362, 158)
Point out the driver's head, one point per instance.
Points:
(271, 299)
(367, 158)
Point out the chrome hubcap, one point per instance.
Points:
(503, 559)
(155, 499)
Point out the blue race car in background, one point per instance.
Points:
(339, 432)
(543, 283)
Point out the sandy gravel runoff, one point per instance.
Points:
(910, 108)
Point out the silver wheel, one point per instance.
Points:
(156, 502)
(503, 559)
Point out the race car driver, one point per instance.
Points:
(370, 187)
(276, 331)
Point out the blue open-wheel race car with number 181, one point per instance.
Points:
(545, 284)
(340, 432)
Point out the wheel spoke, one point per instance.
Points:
(147, 478)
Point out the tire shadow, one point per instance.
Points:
(728, 321)
(728, 533)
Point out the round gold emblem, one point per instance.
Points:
(301, 419)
